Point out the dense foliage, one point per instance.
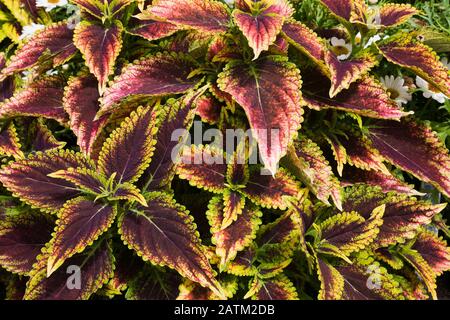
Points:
(103, 196)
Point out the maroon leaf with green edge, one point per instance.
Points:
(28, 179)
(56, 40)
(193, 291)
(402, 217)
(100, 47)
(96, 265)
(176, 116)
(42, 98)
(204, 166)
(88, 180)
(349, 231)
(161, 74)
(331, 281)
(165, 234)
(307, 41)
(115, 6)
(129, 192)
(340, 8)
(285, 229)
(339, 152)
(306, 161)
(153, 29)
(393, 14)
(152, 284)
(129, 149)
(80, 222)
(237, 169)
(243, 264)
(209, 109)
(234, 203)
(9, 142)
(81, 104)
(361, 153)
(344, 73)
(387, 182)
(415, 148)
(271, 192)
(369, 282)
(427, 275)
(262, 22)
(93, 7)
(420, 59)
(366, 97)
(7, 85)
(203, 15)
(434, 251)
(269, 91)
(21, 239)
(235, 237)
(42, 139)
(278, 288)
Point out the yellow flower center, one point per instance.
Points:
(340, 50)
(394, 94)
(53, 1)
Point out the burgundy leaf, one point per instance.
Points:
(42, 98)
(81, 103)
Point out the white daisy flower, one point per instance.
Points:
(50, 4)
(342, 49)
(374, 18)
(229, 2)
(28, 31)
(445, 62)
(429, 91)
(397, 90)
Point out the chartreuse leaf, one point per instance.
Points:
(204, 166)
(96, 267)
(28, 179)
(271, 192)
(277, 288)
(366, 97)
(87, 180)
(81, 104)
(339, 151)
(157, 75)
(129, 149)
(306, 161)
(349, 231)
(100, 47)
(405, 52)
(307, 41)
(203, 15)
(127, 191)
(164, 233)
(261, 22)
(80, 222)
(19, 11)
(402, 217)
(393, 14)
(415, 148)
(42, 98)
(193, 291)
(22, 237)
(269, 91)
(55, 40)
(235, 237)
(9, 142)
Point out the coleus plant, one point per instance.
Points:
(91, 180)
